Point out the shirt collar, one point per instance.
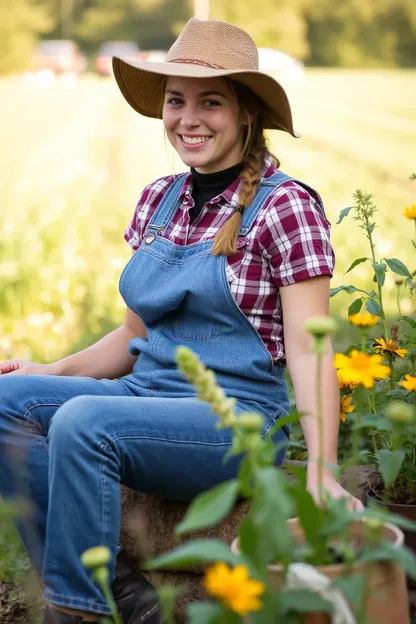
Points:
(232, 193)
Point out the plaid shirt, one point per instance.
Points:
(289, 242)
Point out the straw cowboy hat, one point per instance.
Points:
(205, 49)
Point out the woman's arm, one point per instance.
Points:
(301, 301)
(109, 357)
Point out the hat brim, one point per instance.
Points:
(140, 83)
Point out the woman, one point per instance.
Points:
(231, 260)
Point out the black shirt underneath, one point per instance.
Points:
(206, 186)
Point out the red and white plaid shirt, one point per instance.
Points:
(289, 242)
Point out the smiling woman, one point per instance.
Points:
(204, 122)
(230, 258)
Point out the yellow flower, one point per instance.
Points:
(361, 368)
(345, 407)
(343, 384)
(409, 382)
(364, 319)
(391, 346)
(234, 587)
(410, 213)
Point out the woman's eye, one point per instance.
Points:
(174, 101)
(210, 103)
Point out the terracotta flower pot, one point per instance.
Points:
(407, 511)
(387, 600)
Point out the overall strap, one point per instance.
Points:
(266, 188)
(168, 206)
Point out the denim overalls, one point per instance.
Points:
(81, 437)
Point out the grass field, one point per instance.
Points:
(75, 157)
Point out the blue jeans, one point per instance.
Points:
(68, 442)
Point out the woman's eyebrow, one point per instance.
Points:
(202, 94)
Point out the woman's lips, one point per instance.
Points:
(193, 145)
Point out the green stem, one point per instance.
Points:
(363, 339)
(110, 601)
(356, 428)
(398, 300)
(380, 294)
(319, 353)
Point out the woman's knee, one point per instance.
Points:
(78, 417)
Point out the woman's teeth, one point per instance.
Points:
(194, 140)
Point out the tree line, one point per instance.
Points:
(345, 33)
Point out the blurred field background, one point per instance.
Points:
(75, 157)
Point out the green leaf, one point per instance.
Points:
(372, 306)
(380, 272)
(195, 552)
(205, 612)
(284, 420)
(352, 587)
(380, 512)
(310, 517)
(252, 543)
(271, 507)
(245, 475)
(210, 507)
(375, 420)
(355, 307)
(356, 262)
(390, 463)
(398, 393)
(344, 212)
(388, 552)
(304, 601)
(408, 320)
(398, 267)
(349, 289)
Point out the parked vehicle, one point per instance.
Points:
(128, 50)
(59, 56)
(281, 64)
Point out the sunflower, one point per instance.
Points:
(363, 319)
(234, 587)
(389, 347)
(343, 383)
(410, 213)
(361, 368)
(345, 407)
(409, 382)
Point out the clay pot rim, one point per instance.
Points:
(335, 567)
(371, 494)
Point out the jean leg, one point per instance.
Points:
(27, 405)
(169, 447)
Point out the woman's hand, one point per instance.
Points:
(24, 367)
(331, 487)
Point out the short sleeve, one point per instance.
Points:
(295, 236)
(147, 203)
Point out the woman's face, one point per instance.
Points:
(203, 122)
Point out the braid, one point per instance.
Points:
(225, 242)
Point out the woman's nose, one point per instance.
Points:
(190, 116)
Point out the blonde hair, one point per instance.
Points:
(255, 151)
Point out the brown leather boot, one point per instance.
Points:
(136, 598)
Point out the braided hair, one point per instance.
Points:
(255, 151)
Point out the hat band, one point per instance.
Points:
(194, 62)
